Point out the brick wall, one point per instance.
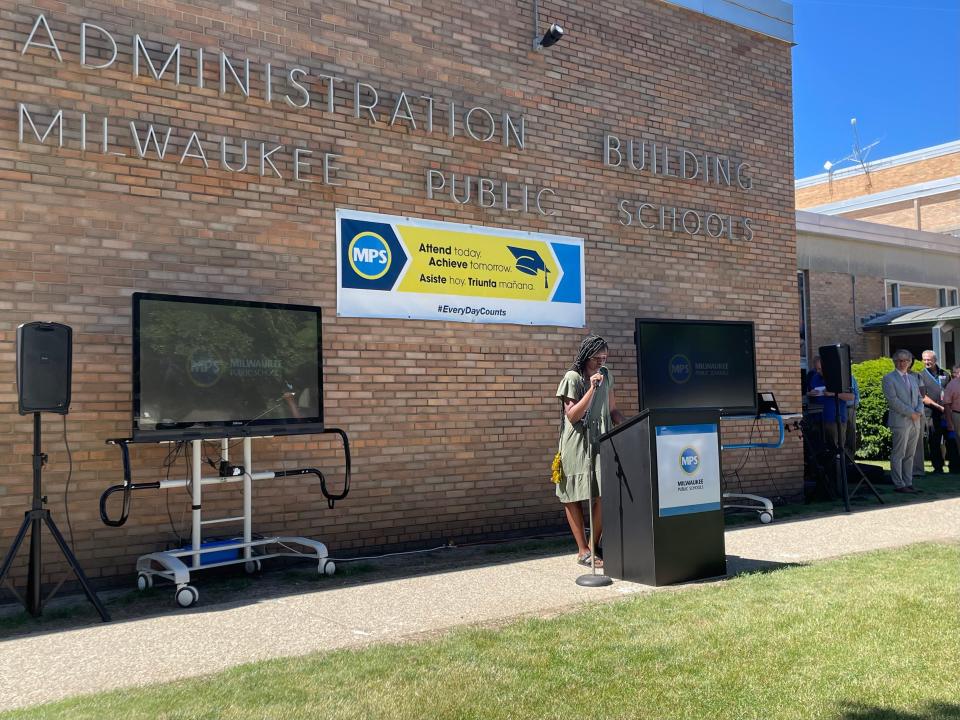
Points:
(878, 181)
(941, 214)
(938, 213)
(833, 318)
(452, 425)
(918, 295)
(896, 215)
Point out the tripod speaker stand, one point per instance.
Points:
(32, 521)
(43, 383)
(839, 379)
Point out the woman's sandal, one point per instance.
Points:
(585, 560)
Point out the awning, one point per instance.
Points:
(913, 316)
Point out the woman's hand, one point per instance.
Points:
(596, 379)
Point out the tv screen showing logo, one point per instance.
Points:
(679, 369)
(696, 364)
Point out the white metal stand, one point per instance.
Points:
(177, 565)
(761, 505)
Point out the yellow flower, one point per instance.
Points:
(557, 474)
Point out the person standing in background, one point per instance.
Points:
(902, 392)
(933, 381)
(919, 469)
(817, 392)
(951, 404)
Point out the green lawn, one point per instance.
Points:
(867, 637)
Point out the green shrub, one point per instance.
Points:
(874, 435)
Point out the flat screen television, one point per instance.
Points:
(211, 367)
(696, 364)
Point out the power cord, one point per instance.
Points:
(766, 464)
(66, 488)
(66, 511)
(746, 456)
(393, 554)
(450, 545)
(169, 461)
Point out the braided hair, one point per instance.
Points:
(591, 345)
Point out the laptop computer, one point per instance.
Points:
(767, 403)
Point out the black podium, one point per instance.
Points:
(663, 522)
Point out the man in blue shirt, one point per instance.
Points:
(817, 392)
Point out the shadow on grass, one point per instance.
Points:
(737, 565)
(932, 711)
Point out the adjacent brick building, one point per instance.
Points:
(877, 238)
(453, 425)
(919, 190)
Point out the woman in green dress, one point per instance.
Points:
(587, 386)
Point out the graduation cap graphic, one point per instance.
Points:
(529, 262)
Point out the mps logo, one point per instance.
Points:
(205, 368)
(369, 255)
(689, 461)
(679, 369)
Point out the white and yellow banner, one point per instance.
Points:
(399, 267)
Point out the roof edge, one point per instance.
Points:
(773, 18)
(813, 223)
(881, 164)
(927, 189)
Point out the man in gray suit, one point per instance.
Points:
(902, 391)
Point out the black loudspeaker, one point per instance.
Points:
(835, 360)
(44, 364)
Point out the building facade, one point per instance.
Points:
(204, 148)
(874, 242)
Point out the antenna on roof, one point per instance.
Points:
(857, 156)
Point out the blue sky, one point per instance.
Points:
(892, 64)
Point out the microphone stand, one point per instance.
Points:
(592, 579)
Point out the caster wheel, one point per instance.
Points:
(187, 596)
(766, 518)
(252, 566)
(327, 567)
(144, 582)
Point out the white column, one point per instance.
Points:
(937, 345)
(247, 496)
(197, 475)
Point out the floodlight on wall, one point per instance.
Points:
(551, 37)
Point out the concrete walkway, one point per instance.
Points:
(210, 637)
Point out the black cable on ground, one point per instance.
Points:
(450, 545)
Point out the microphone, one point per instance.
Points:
(603, 371)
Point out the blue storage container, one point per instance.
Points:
(211, 558)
